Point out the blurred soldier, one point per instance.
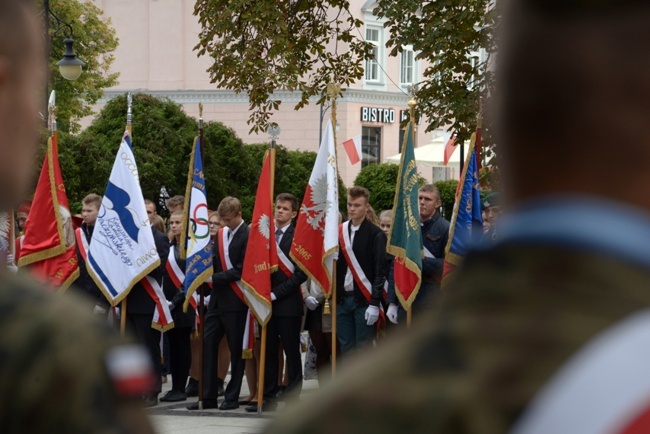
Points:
(60, 370)
(559, 306)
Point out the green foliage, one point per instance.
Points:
(259, 47)
(444, 33)
(447, 196)
(95, 42)
(381, 181)
(162, 143)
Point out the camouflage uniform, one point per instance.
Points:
(513, 316)
(53, 376)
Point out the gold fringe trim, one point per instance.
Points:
(64, 287)
(296, 260)
(161, 328)
(195, 284)
(264, 301)
(247, 354)
(186, 205)
(121, 296)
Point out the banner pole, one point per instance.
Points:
(123, 318)
(260, 377)
(333, 309)
(409, 317)
(202, 287)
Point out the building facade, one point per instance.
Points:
(155, 55)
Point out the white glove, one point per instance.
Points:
(206, 300)
(372, 315)
(10, 263)
(391, 313)
(311, 303)
(98, 310)
(273, 297)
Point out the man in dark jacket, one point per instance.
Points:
(284, 324)
(360, 274)
(227, 311)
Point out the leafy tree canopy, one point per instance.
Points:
(380, 180)
(95, 42)
(259, 47)
(162, 142)
(262, 46)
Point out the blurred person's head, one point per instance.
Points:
(151, 208)
(90, 208)
(176, 224)
(573, 89)
(358, 204)
(175, 203)
(158, 223)
(286, 209)
(230, 212)
(22, 72)
(429, 201)
(22, 213)
(385, 220)
(215, 223)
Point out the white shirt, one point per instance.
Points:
(348, 283)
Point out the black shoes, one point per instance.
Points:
(150, 400)
(229, 405)
(174, 396)
(192, 388)
(221, 391)
(266, 406)
(207, 404)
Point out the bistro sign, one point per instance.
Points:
(374, 114)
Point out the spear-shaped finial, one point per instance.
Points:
(200, 115)
(51, 112)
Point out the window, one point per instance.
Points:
(370, 145)
(373, 36)
(474, 62)
(407, 74)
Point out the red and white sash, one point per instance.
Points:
(603, 389)
(355, 268)
(162, 316)
(81, 242)
(226, 264)
(174, 271)
(285, 263)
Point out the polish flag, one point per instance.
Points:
(450, 147)
(353, 149)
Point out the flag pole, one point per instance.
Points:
(129, 128)
(260, 377)
(333, 91)
(412, 103)
(201, 305)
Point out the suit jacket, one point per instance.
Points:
(138, 300)
(85, 284)
(435, 234)
(369, 247)
(511, 318)
(288, 300)
(181, 319)
(223, 296)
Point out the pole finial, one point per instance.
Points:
(412, 103)
(129, 110)
(200, 110)
(333, 90)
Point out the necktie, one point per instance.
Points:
(278, 235)
(229, 234)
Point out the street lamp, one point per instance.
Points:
(70, 67)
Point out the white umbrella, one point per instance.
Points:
(433, 154)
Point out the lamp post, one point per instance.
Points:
(70, 67)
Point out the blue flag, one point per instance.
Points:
(466, 227)
(196, 245)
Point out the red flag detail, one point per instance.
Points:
(353, 149)
(450, 147)
(261, 252)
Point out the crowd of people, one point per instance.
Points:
(366, 299)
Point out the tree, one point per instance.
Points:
(95, 42)
(447, 191)
(380, 180)
(259, 47)
(262, 46)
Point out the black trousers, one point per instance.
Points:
(180, 356)
(285, 330)
(232, 325)
(140, 326)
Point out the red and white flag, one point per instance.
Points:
(261, 251)
(450, 147)
(316, 238)
(353, 149)
(48, 247)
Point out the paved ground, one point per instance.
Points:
(174, 418)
